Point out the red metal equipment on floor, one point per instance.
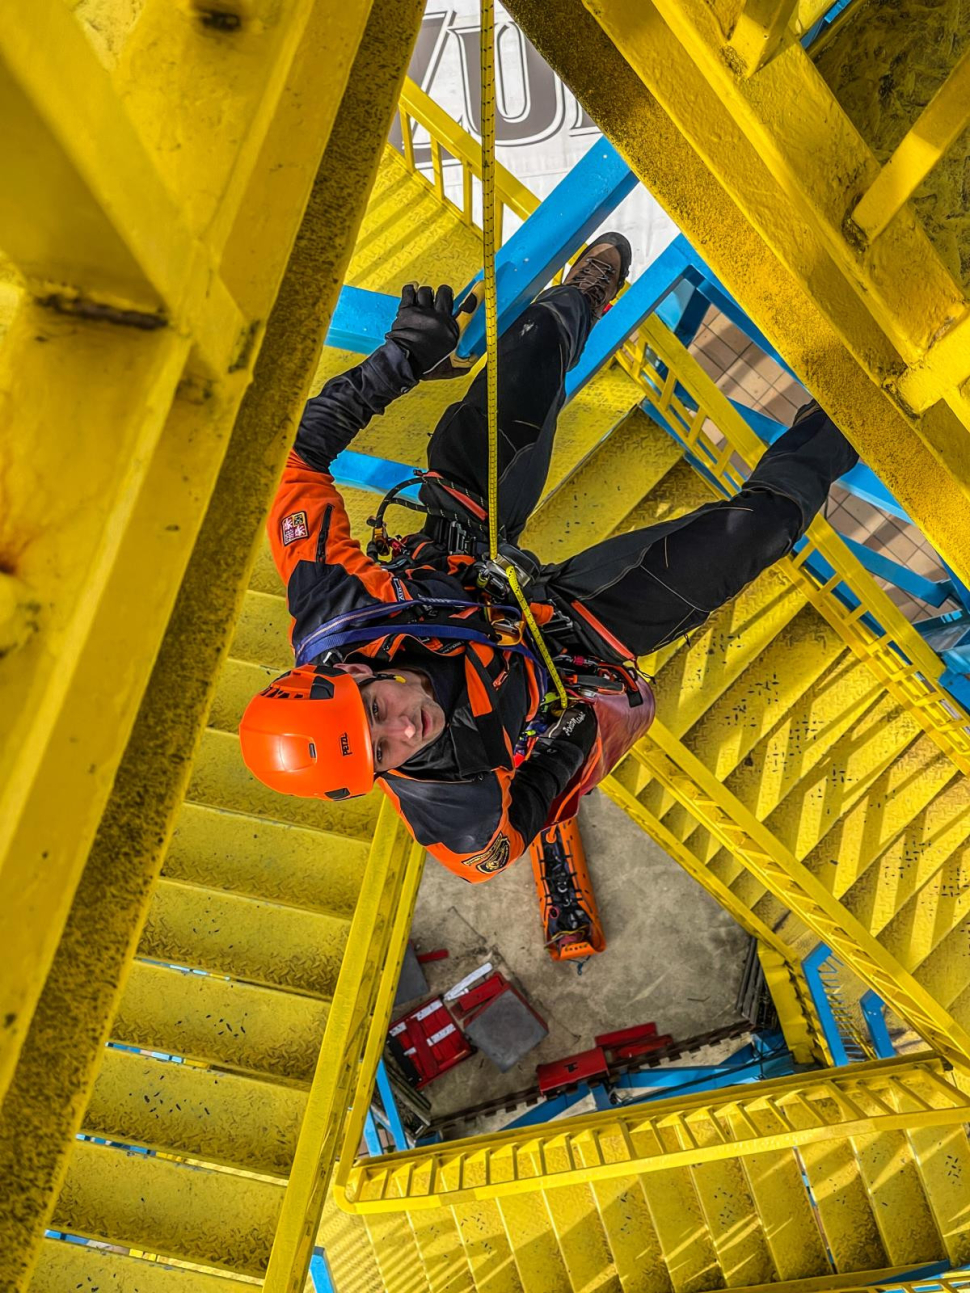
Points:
(427, 1042)
(570, 920)
(610, 1048)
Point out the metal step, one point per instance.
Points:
(217, 1021)
(237, 684)
(261, 942)
(64, 1267)
(193, 1112)
(257, 858)
(220, 779)
(584, 508)
(262, 634)
(818, 800)
(214, 1218)
(913, 859)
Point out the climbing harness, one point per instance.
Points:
(500, 571)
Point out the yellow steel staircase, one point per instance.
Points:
(806, 767)
(822, 181)
(783, 1182)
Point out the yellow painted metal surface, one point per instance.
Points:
(218, 1021)
(71, 1266)
(248, 855)
(220, 1219)
(759, 172)
(265, 943)
(810, 1109)
(177, 409)
(258, 892)
(196, 1113)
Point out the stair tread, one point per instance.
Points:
(723, 648)
(195, 1112)
(64, 1266)
(899, 1203)
(440, 1248)
(214, 1020)
(348, 1251)
(247, 938)
(214, 1218)
(238, 682)
(576, 1222)
(262, 632)
(757, 703)
(605, 484)
(625, 1217)
(265, 859)
(220, 779)
(913, 859)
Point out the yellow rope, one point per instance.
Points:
(488, 234)
(491, 329)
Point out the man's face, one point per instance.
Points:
(404, 717)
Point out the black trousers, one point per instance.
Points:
(651, 585)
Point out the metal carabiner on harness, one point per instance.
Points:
(492, 581)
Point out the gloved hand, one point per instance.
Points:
(576, 725)
(425, 326)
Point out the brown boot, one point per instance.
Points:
(601, 271)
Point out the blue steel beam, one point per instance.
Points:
(932, 591)
(395, 1126)
(546, 1110)
(639, 300)
(361, 320)
(320, 1273)
(558, 227)
(874, 1013)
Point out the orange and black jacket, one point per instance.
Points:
(463, 798)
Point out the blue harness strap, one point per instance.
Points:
(334, 636)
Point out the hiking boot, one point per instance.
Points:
(601, 271)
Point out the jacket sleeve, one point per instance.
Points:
(323, 567)
(476, 828)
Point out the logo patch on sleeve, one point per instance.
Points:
(495, 857)
(294, 527)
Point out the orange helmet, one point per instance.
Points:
(307, 734)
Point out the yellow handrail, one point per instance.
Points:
(417, 108)
(899, 657)
(832, 1104)
(359, 1014)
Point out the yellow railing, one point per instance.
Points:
(352, 1044)
(447, 137)
(800, 1024)
(781, 1114)
(776, 867)
(874, 629)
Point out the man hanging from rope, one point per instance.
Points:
(414, 670)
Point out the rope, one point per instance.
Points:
(488, 236)
(491, 330)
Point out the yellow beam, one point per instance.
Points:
(352, 1047)
(86, 216)
(681, 137)
(943, 119)
(759, 31)
(805, 1110)
(42, 1112)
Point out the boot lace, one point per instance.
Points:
(594, 278)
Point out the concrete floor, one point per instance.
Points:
(674, 956)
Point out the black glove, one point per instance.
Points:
(575, 726)
(425, 326)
